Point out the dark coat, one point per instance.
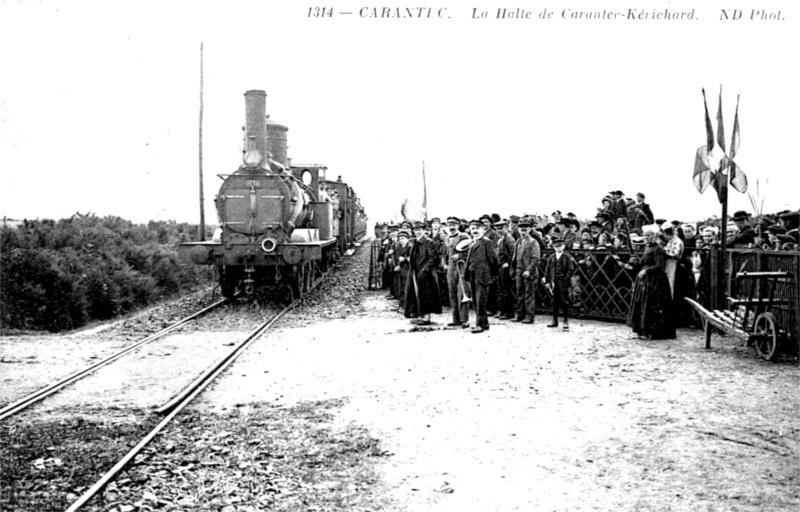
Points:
(619, 208)
(492, 235)
(482, 263)
(570, 237)
(505, 249)
(637, 219)
(743, 238)
(424, 261)
(559, 271)
(527, 254)
(648, 212)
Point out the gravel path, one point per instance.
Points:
(525, 418)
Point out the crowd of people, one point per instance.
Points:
(493, 265)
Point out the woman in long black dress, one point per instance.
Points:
(651, 314)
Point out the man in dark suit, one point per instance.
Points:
(493, 236)
(648, 212)
(505, 253)
(618, 205)
(524, 270)
(557, 275)
(481, 270)
(745, 235)
(422, 291)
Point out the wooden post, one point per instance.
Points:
(202, 229)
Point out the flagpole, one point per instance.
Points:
(721, 274)
(424, 194)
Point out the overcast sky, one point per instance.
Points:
(99, 104)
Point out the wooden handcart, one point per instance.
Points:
(750, 317)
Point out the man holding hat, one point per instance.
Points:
(455, 251)
(524, 270)
(481, 269)
(422, 292)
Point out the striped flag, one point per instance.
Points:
(709, 130)
(703, 176)
(738, 177)
(720, 127)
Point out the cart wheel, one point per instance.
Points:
(766, 335)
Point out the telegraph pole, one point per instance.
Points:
(202, 228)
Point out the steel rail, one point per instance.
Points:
(183, 399)
(23, 403)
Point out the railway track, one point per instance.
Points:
(174, 406)
(23, 403)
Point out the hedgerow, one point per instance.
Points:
(59, 275)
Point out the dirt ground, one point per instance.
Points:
(518, 418)
(528, 418)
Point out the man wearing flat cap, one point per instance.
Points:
(422, 292)
(745, 234)
(513, 226)
(455, 286)
(402, 252)
(481, 270)
(491, 234)
(438, 236)
(525, 270)
(505, 253)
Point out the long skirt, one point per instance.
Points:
(651, 307)
(685, 286)
(422, 294)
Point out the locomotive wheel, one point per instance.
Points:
(765, 335)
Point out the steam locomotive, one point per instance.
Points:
(280, 224)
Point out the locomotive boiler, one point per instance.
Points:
(279, 224)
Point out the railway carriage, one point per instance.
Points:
(280, 224)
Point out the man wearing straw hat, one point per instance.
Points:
(456, 245)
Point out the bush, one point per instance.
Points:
(59, 275)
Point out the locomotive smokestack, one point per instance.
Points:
(268, 135)
(255, 111)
